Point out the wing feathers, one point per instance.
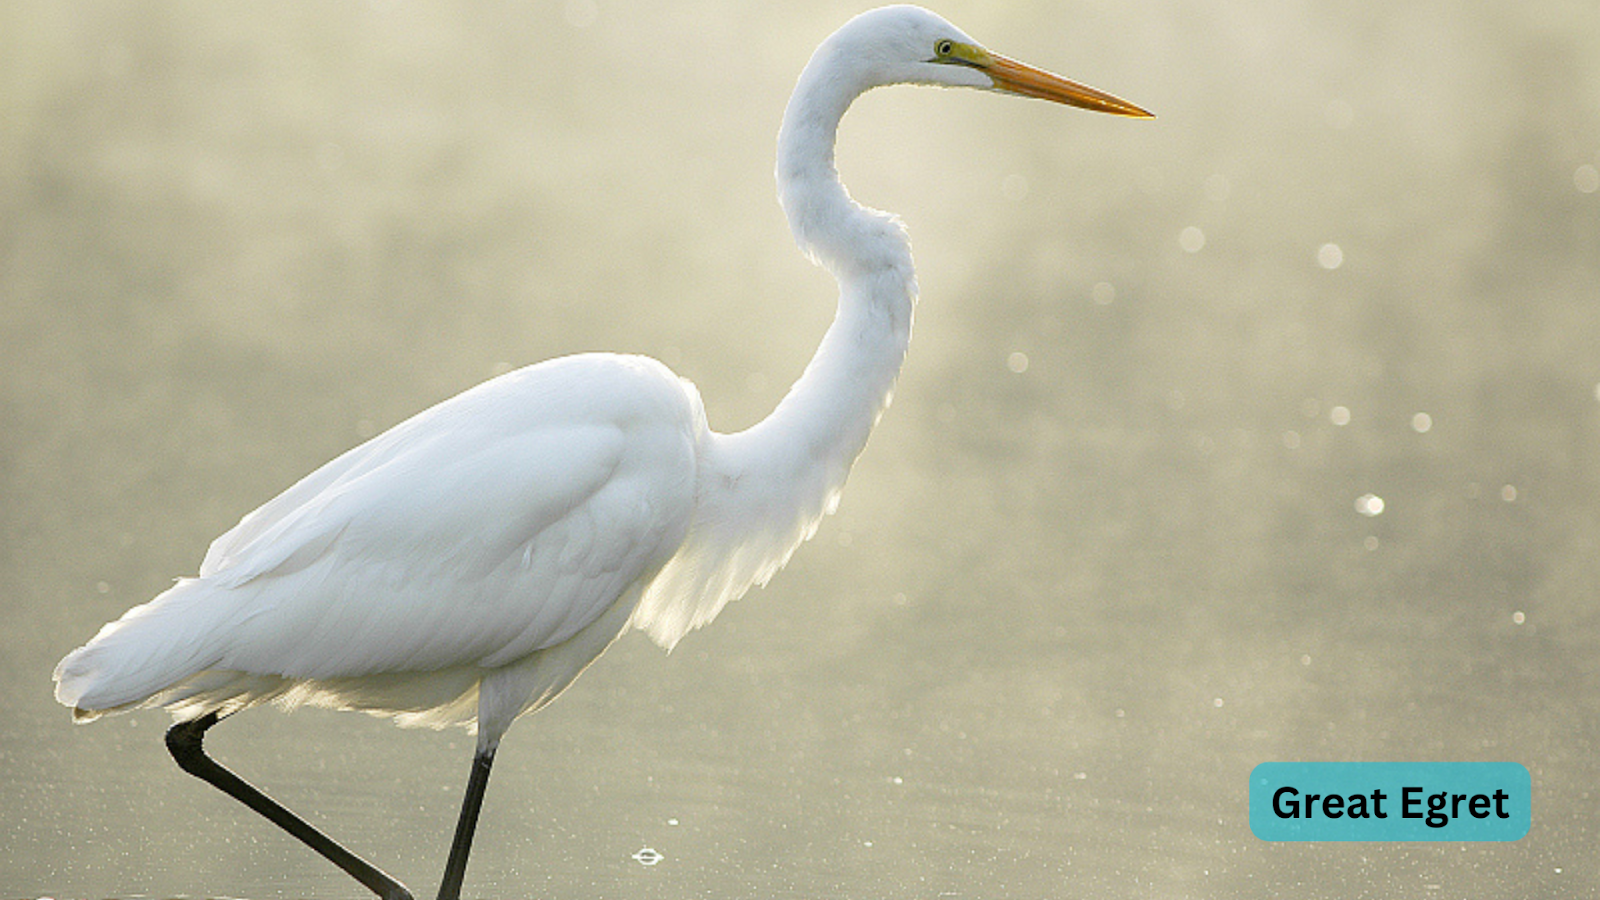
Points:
(492, 526)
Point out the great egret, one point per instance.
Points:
(464, 567)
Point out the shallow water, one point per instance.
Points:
(1267, 430)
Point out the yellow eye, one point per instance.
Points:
(944, 48)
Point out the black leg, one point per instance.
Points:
(456, 868)
(184, 742)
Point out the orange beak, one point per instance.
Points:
(1018, 78)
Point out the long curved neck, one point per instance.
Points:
(822, 424)
(764, 490)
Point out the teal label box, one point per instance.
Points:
(1390, 801)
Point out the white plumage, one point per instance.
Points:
(464, 566)
(495, 525)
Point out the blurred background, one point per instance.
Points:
(1266, 430)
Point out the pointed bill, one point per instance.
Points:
(1019, 78)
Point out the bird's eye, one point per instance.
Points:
(944, 48)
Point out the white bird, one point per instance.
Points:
(464, 567)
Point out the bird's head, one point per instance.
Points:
(911, 45)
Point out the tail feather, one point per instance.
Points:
(152, 648)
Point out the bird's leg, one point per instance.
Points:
(184, 742)
(455, 869)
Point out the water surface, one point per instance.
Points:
(1263, 431)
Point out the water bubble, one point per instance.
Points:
(1421, 422)
(1291, 440)
(1517, 618)
(1192, 239)
(1339, 415)
(1017, 362)
(648, 856)
(1103, 294)
(1586, 179)
(1508, 493)
(1330, 257)
(1369, 505)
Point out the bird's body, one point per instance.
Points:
(481, 532)
(466, 565)
(472, 540)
